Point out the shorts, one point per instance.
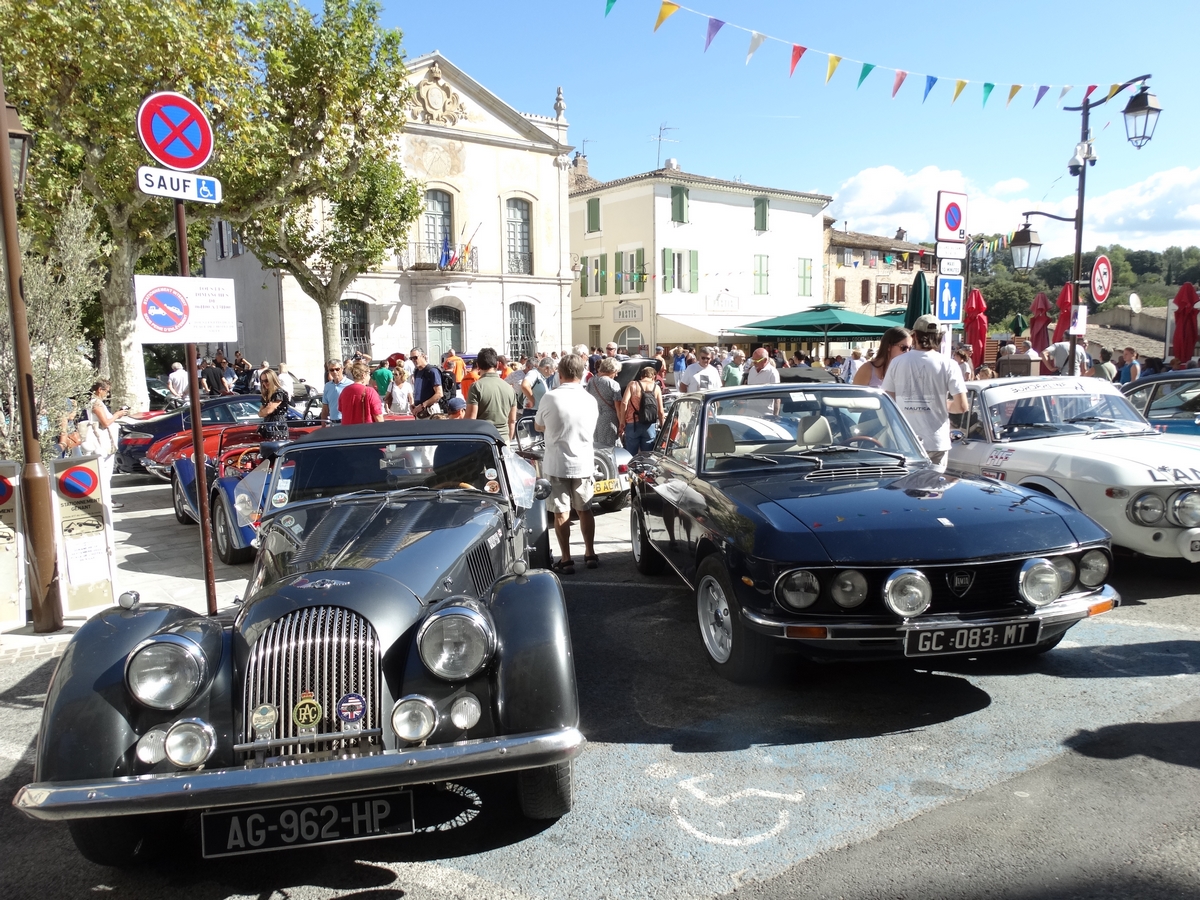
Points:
(570, 493)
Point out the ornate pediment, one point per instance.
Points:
(436, 103)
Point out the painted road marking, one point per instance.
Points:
(782, 820)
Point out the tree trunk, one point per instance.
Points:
(331, 326)
(124, 351)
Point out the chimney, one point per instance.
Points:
(672, 165)
(580, 165)
(901, 234)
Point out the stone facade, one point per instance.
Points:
(872, 274)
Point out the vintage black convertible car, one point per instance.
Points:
(396, 633)
(808, 516)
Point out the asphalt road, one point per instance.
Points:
(1071, 775)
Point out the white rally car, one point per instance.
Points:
(1081, 441)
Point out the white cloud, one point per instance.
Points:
(1155, 213)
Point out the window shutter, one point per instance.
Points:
(603, 274)
(593, 214)
(760, 213)
(866, 291)
(639, 270)
(584, 271)
(679, 203)
(668, 278)
(619, 272)
(694, 270)
(839, 290)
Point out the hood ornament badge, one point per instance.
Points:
(960, 582)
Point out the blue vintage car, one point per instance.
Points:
(808, 517)
(1170, 401)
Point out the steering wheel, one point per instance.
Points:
(242, 464)
(455, 484)
(864, 437)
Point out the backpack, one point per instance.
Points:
(449, 386)
(647, 413)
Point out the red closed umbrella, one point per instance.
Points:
(976, 326)
(1039, 326)
(1183, 345)
(1064, 313)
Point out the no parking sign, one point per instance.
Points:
(175, 310)
(86, 565)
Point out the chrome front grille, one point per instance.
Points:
(479, 563)
(325, 650)
(863, 473)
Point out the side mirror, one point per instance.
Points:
(270, 450)
(956, 435)
(541, 489)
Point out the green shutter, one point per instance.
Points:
(619, 273)
(679, 203)
(583, 281)
(694, 268)
(603, 274)
(668, 278)
(760, 213)
(593, 214)
(639, 268)
(804, 268)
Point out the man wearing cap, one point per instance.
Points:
(920, 382)
(456, 408)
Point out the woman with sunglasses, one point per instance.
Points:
(894, 342)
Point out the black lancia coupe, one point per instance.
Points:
(397, 634)
(808, 516)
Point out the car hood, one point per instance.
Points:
(925, 515)
(1153, 450)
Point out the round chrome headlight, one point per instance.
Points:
(1147, 509)
(849, 588)
(907, 592)
(1065, 567)
(1184, 508)
(798, 590)
(466, 711)
(1038, 582)
(189, 743)
(455, 642)
(1093, 568)
(165, 672)
(414, 718)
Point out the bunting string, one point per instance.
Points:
(668, 8)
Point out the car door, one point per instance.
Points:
(1175, 407)
(668, 482)
(969, 454)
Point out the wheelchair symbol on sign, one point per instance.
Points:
(204, 189)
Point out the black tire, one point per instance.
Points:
(735, 652)
(539, 557)
(613, 502)
(548, 792)
(123, 841)
(648, 560)
(179, 502)
(222, 528)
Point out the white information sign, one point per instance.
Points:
(948, 250)
(949, 266)
(180, 185)
(176, 310)
(951, 217)
(1078, 320)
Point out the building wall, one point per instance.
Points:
(898, 276)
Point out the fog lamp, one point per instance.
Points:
(414, 718)
(189, 743)
(465, 712)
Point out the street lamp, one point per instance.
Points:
(1141, 116)
(35, 483)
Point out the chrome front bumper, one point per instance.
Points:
(178, 791)
(1065, 611)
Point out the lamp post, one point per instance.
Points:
(35, 482)
(1141, 117)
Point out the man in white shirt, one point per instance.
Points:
(700, 375)
(567, 415)
(850, 366)
(177, 381)
(1028, 351)
(762, 369)
(1058, 355)
(920, 382)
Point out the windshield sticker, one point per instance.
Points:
(489, 474)
(999, 456)
(493, 540)
(285, 484)
(492, 487)
(1047, 387)
(287, 521)
(279, 499)
(801, 397)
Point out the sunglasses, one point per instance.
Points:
(336, 369)
(904, 348)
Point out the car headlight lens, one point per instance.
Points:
(165, 672)
(1185, 508)
(1093, 568)
(799, 590)
(1038, 582)
(1066, 571)
(849, 588)
(455, 642)
(1148, 509)
(466, 711)
(414, 718)
(190, 743)
(907, 592)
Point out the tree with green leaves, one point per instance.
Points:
(296, 101)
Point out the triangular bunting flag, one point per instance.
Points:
(866, 70)
(665, 12)
(714, 25)
(900, 76)
(797, 52)
(608, 6)
(958, 89)
(1112, 91)
(1066, 90)
(930, 81)
(833, 64)
(756, 41)
(987, 91)
(1088, 92)
(1041, 93)
(856, 264)
(1012, 92)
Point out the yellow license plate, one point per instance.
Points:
(605, 487)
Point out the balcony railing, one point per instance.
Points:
(436, 257)
(520, 263)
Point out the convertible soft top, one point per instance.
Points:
(402, 429)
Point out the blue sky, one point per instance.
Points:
(883, 159)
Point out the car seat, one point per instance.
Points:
(719, 440)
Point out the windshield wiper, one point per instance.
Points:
(842, 448)
(1031, 425)
(1074, 419)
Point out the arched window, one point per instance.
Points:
(522, 335)
(445, 332)
(356, 328)
(629, 339)
(437, 226)
(520, 261)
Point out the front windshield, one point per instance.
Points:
(326, 470)
(816, 426)
(1064, 406)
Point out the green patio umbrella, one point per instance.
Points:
(1020, 325)
(818, 322)
(918, 301)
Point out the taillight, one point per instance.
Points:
(622, 469)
